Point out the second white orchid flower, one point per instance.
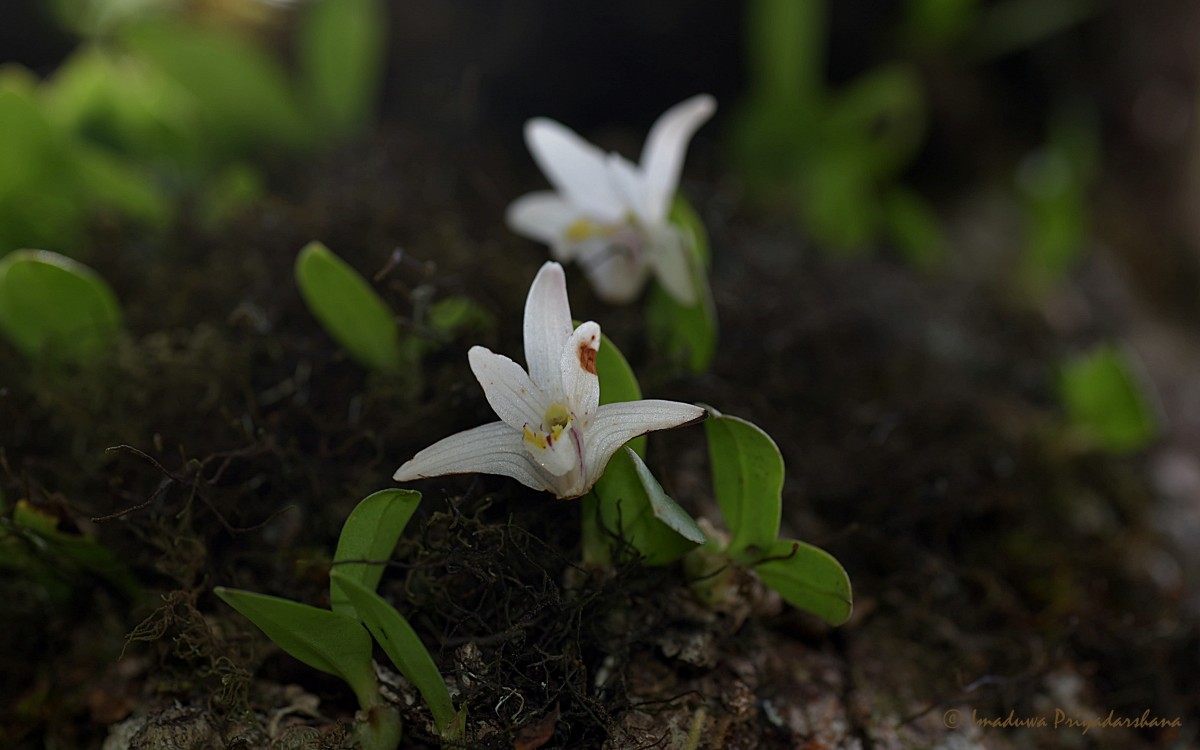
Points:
(553, 434)
(608, 214)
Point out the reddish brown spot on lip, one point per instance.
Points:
(587, 357)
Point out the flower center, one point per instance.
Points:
(557, 419)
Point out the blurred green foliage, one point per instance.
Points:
(832, 155)
(155, 105)
(1106, 404)
(47, 552)
(1053, 184)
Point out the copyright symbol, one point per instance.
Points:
(951, 718)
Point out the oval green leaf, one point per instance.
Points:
(400, 642)
(367, 540)
(54, 307)
(324, 640)
(747, 470)
(349, 309)
(808, 578)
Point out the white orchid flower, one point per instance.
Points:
(610, 215)
(552, 435)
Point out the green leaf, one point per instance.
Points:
(349, 309)
(329, 641)
(688, 332)
(625, 505)
(808, 578)
(400, 642)
(747, 470)
(88, 556)
(663, 507)
(342, 53)
(1105, 401)
(242, 96)
(54, 307)
(368, 539)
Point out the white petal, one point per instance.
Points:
(581, 387)
(561, 458)
(547, 326)
(514, 397)
(543, 216)
(574, 167)
(662, 156)
(493, 448)
(668, 256)
(629, 184)
(616, 424)
(616, 275)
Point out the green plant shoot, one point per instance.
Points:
(335, 641)
(367, 540)
(407, 653)
(56, 308)
(348, 308)
(748, 474)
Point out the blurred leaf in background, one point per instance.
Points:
(1105, 401)
(1054, 184)
(161, 101)
(834, 156)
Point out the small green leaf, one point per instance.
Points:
(808, 578)
(747, 470)
(348, 308)
(368, 539)
(55, 307)
(324, 640)
(624, 505)
(1104, 400)
(400, 642)
(664, 508)
(686, 331)
(341, 52)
